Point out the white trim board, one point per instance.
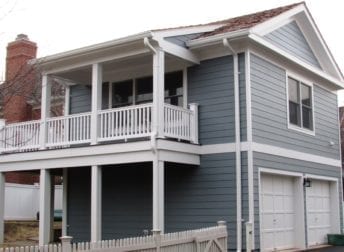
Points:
(118, 152)
(278, 151)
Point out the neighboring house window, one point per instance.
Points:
(300, 104)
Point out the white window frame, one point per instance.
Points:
(309, 84)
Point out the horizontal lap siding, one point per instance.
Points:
(261, 160)
(270, 119)
(80, 99)
(291, 39)
(127, 200)
(198, 197)
(210, 84)
(79, 203)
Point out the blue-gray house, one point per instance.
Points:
(176, 129)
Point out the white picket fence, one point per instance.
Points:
(22, 201)
(211, 239)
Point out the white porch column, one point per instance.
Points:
(64, 201)
(96, 100)
(2, 206)
(158, 195)
(45, 211)
(67, 101)
(158, 91)
(96, 203)
(45, 109)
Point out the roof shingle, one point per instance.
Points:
(247, 21)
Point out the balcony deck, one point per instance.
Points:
(131, 122)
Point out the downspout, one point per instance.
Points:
(154, 131)
(237, 142)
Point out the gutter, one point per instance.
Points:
(89, 49)
(237, 142)
(211, 40)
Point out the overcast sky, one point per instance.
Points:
(60, 25)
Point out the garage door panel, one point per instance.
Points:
(267, 221)
(267, 203)
(277, 212)
(318, 212)
(288, 204)
(278, 203)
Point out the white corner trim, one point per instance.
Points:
(278, 151)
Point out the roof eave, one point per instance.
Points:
(90, 49)
(197, 43)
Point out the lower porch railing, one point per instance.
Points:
(113, 124)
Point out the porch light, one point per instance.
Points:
(307, 182)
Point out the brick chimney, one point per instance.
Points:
(20, 79)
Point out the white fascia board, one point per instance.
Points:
(318, 72)
(275, 22)
(177, 51)
(76, 152)
(316, 41)
(165, 33)
(90, 49)
(211, 40)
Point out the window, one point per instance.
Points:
(174, 88)
(144, 90)
(122, 94)
(139, 91)
(300, 104)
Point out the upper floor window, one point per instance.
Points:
(300, 104)
(140, 90)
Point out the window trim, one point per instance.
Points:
(300, 80)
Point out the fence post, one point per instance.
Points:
(66, 243)
(157, 239)
(221, 223)
(194, 123)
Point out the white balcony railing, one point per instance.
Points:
(69, 130)
(113, 124)
(18, 137)
(126, 122)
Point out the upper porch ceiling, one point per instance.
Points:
(122, 69)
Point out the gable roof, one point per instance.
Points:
(246, 21)
(253, 26)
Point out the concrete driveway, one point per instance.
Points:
(328, 249)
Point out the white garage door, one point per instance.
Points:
(318, 212)
(277, 212)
